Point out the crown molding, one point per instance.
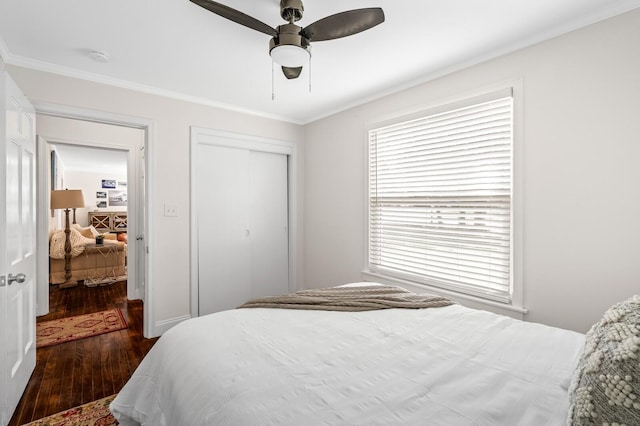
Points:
(4, 51)
(48, 67)
(568, 26)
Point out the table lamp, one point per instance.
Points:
(67, 199)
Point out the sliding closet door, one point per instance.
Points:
(269, 221)
(223, 228)
(242, 208)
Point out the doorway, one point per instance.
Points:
(74, 126)
(101, 176)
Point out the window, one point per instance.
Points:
(440, 198)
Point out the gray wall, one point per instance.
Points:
(580, 171)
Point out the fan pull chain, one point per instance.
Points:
(309, 74)
(273, 93)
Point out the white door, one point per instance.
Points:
(223, 228)
(268, 224)
(242, 207)
(17, 247)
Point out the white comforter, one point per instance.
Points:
(439, 366)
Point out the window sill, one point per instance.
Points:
(464, 299)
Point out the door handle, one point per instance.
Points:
(19, 278)
(4, 280)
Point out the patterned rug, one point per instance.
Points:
(63, 330)
(94, 413)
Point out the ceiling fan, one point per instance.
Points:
(289, 45)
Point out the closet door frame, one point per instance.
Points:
(204, 136)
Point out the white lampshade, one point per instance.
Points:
(67, 199)
(290, 56)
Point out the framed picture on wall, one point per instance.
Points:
(53, 176)
(109, 183)
(57, 181)
(53, 170)
(117, 198)
(101, 204)
(101, 194)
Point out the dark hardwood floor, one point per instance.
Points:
(74, 373)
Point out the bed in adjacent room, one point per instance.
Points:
(447, 365)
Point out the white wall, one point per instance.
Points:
(581, 171)
(581, 148)
(172, 120)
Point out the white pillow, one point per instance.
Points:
(87, 231)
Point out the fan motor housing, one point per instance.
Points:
(291, 10)
(289, 34)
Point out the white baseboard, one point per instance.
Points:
(160, 327)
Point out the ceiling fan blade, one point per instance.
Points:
(291, 72)
(236, 16)
(343, 24)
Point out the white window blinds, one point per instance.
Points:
(440, 199)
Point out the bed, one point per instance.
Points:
(446, 365)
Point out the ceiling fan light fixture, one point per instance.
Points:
(290, 44)
(289, 55)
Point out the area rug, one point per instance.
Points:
(94, 413)
(63, 330)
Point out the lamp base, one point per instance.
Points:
(67, 254)
(68, 284)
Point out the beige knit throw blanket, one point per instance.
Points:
(361, 298)
(78, 243)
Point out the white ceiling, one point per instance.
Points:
(177, 49)
(112, 162)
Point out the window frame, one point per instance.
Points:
(514, 89)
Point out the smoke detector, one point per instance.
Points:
(99, 56)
